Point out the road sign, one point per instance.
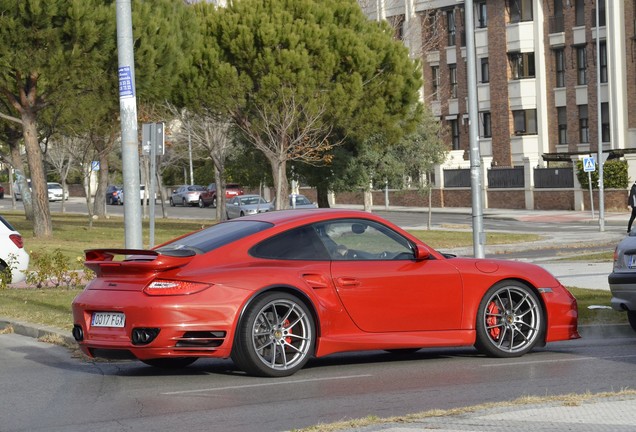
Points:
(589, 164)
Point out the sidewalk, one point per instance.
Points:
(589, 413)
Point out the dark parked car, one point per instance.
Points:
(622, 280)
(113, 195)
(208, 196)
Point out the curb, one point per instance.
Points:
(36, 331)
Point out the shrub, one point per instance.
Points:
(614, 175)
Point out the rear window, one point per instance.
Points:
(6, 223)
(214, 237)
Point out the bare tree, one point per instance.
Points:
(61, 155)
(287, 131)
(210, 133)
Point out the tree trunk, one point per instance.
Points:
(99, 205)
(42, 225)
(368, 199)
(279, 172)
(16, 161)
(322, 195)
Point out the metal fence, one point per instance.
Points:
(506, 178)
(512, 178)
(545, 178)
(457, 178)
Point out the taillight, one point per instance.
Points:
(17, 239)
(174, 287)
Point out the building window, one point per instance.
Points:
(454, 127)
(559, 60)
(525, 122)
(481, 14)
(485, 74)
(522, 65)
(435, 81)
(603, 56)
(584, 129)
(562, 119)
(601, 14)
(433, 25)
(486, 125)
(450, 26)
(579, 12)
(557, 23)
(605, 122)
(452, 74)
(519, 10)
(581, 65)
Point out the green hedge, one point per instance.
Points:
(614, 175)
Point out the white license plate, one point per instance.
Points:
(632, 261)
(108, 319)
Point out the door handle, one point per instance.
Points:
(347, 282)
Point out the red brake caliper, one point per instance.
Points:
(491, 321)
(288, 338)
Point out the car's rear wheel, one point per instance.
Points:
(631, 317)
(510, 320)
(201, 203)
(214, 202)
(276, 337)
(171, 363)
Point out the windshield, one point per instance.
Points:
(252, 201)
(214, 237)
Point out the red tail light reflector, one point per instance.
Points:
(174, 287)
(17, 239)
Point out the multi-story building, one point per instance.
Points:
(542, 66)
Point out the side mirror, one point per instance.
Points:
(421, 252)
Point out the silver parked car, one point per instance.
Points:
(297, 201)
(622, 280)
(186, 195)
(243, 205)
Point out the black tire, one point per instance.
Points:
(275, 337)
(201, 203)
(170, 363)
(631, 318)
(510, 320)
(214, 202)
(171, 202)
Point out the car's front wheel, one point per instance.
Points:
(276, 336)
(201, 203)
(510, 320)
(171, 202)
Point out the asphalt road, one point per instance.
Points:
(45, 389)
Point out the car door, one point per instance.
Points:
(383, 288)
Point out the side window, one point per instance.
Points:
(298, 244)
(359, 239)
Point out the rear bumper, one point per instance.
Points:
(623, 288)
(188, 326)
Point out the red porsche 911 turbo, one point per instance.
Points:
(274, 289)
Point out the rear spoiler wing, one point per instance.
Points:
(102, 261)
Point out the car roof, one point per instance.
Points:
(301, 216)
